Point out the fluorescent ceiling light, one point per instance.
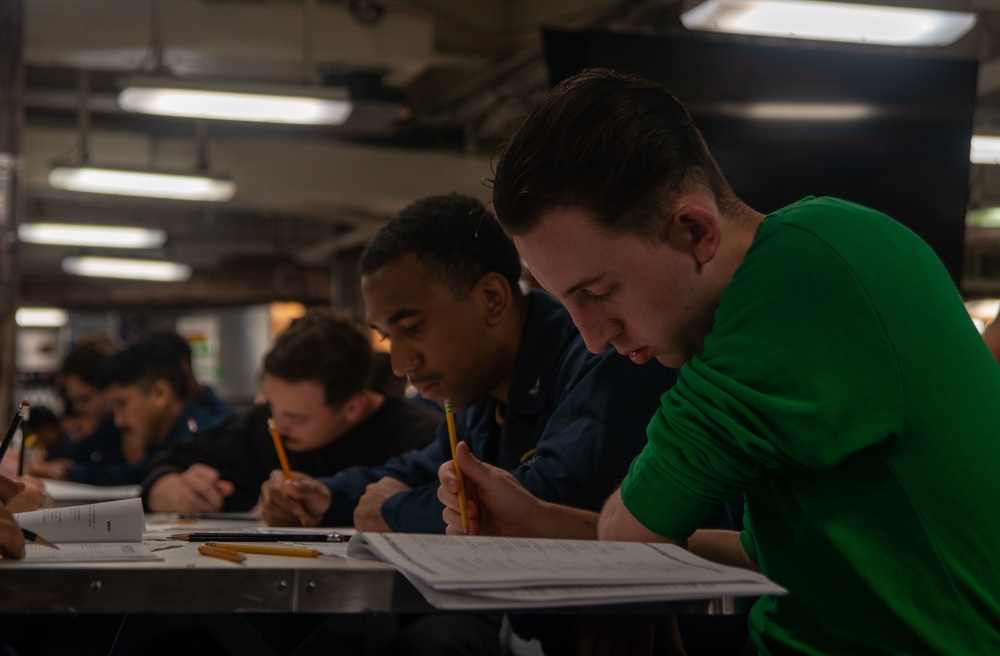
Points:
(110, 267)
(41, 317)
(67, 234)
(300, 105)
(780, 111)
(92, 179)
(986, 217)
(985, 150)
(831, 21)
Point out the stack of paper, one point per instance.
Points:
(93, 532)
(67, 492)
(492, 573)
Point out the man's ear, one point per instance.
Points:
(696, 226)
(161, 393)
(494, 293)
(354, 408)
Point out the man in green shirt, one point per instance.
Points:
(830, 373)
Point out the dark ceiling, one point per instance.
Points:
(438, 84)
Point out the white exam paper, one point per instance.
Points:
(459, 562)
(111, 521)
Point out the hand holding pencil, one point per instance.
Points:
(463, 505)
(497, 503)
(286, 470)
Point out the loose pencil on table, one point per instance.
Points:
(265, 549)
(224, 554)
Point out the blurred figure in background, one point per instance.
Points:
(207, 409)
(81, 460)
(317, 387)
(43, 432)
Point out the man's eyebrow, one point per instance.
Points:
(399, 315)
(580, 285)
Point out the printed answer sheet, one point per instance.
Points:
(485, 572)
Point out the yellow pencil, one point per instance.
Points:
(215, 552)
(463, 504)
(279, 447)
(266, 550)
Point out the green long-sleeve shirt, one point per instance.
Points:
(846, 391)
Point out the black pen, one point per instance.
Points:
(14, 425)
(35, 538)
(259, 537)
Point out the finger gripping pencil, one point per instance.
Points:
(463, 504)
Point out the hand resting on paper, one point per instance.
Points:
(11, 538)
(368, 513)
(301, 501)
(198, 489)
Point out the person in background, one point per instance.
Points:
(208, 410)
(146, 388)
(315, 383)
(812, 375)
(82, 460)
(75, 425)
(440, 282)
(44, 433)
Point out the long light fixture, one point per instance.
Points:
(985, 150)
(125, 182)
(68, 234)
(111, 267)
(301, 105)
(781, 111)
(831, 21)
(41, 317)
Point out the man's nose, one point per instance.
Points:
(404, 358)
(597, 330)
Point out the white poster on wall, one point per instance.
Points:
(202, 333)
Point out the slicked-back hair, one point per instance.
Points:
(455, 236)
(142, 364)
(325, 345)
(616, 146)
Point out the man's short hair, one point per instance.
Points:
(142, 364)
(171, 339)
(84, 360)
(455, 236)
(616, 146)
(329, 346)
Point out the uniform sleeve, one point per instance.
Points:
(797, 373)
(597, 429)
(415, 468)
(226, 449)
(415, 511)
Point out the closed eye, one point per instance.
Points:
(413, 330)
(595, 297)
